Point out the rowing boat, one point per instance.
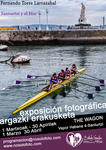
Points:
(20, 59)
(43, 94)
(3, 47)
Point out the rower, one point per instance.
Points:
(74, 69)
(67, 73)
(53, 81)
(61, 76)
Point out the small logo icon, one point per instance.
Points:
(74, 139)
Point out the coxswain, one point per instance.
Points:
(61, 76)
(53, 81)
(73, 69)
(67, 73)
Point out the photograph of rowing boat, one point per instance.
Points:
(44, 61)
(37, 51)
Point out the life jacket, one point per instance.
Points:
(67, 73)
(61, 75)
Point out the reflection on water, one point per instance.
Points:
(47, 60)
(82, 55)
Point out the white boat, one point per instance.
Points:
(3, 47)
(20, 59)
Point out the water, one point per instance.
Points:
(47, 60)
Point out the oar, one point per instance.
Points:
(36, 85)
(19, 82)
(97, 88)
(35, 76)
(9, 88)
(100, 80)
(90, 79)
(90, 95)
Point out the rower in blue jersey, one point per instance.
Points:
(53, 81)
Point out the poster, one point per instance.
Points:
(40, 39)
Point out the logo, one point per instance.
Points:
(74, 139)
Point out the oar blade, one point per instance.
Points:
(97, 88)
(18, 82)
(90, 95)
(36, 77)
(102, 81)
(29, 76)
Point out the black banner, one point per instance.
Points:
(81, 122)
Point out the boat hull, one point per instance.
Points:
(3, 48)
(45, 93)
(21, 59)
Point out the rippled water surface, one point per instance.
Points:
(46, 60)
